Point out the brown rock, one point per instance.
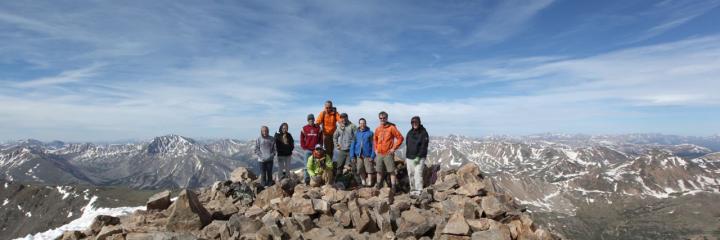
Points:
(160, 236)
(254, 212)
(456, 225)
(413, 224)
(320, 205)
(270, 220)
(214, 229)
(515, 227)
(304, 221)
(469, 173)
(342, 214)
(187, 213)
(361, 219)
(108, 231)
(471, 210)
(221, 208)
(72, 235)
(481, 224)
(302, 206)
(263, 198)
(101, 221)
(493, 207)
(472, 189)
(367, 192)
(159, 201)
(240, 225)
(242, 174)
(492, 234)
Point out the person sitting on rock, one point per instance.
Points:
(320, 167)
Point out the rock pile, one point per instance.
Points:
(461, 204)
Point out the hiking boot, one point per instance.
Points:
(393, 189)
(379, 185)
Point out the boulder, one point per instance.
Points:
(159, 236)
(187, 213)
(456, 225)
(221, 208)
(472, 189)
(159, 201)
(481, 224)
(320, 205)
(240, 225)
(242, 174)
(342, 214)
(367, 192)
(262, 200)
(493, 207)
(254, 212)
(101, 221)
(304, 221)
(361, 218)
(492, 234)
(72, 235)
(413, 224)
(469, 173)
(270, 220)
(107, 231)
(302, 206)
(214, 229)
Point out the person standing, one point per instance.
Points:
(387, 139)
(320, 167)
(310, 135)
(265, 151)
(328, 118)
(416, 148)
(343, 138)
(362, 154)
(285, 145)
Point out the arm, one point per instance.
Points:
(424, 142)
(335, 138)
(310, 166)
(352, 149)
(292, 142)
(372, 146)
(320, 118)
(302, 138)
(273, 150)
(398, 138)
(374, 142)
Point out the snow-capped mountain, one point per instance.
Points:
(170, 161)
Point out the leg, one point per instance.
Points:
(370, 168)
(342, 156)
(390, 166)
(269, 172)
(418, 175)
(379, 169)
(410, 165)
(306, 177)
(329, 146)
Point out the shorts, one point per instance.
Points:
(385, 163)
(365, 165)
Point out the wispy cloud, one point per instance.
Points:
(70, 76)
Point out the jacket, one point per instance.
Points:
(310, 136)
(282, 148)
(416, 143)
(328, 120)
(363, 144)
(265, 148)
(314, 168)
(344, 136)
(387, 137)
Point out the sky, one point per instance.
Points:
(112, 70)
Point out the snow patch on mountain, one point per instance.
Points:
(89, 213)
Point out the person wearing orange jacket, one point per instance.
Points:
(386, 140)
(328, 119)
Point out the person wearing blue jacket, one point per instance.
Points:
(363, 154)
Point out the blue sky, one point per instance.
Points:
(108, 70)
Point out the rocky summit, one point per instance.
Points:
(457, 204)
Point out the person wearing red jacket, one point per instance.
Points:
(310, 135)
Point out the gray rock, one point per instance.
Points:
(187, 213)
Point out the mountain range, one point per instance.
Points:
(607, 187)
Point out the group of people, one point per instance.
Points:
(370, 155)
